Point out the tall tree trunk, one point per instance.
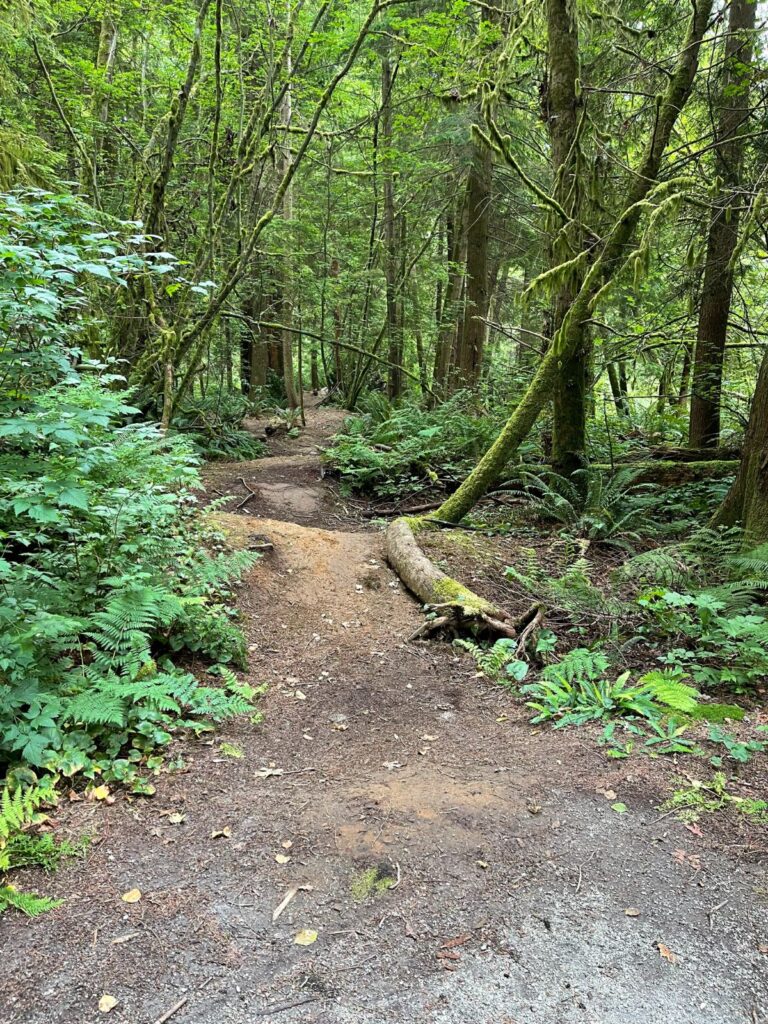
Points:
(394, 337)
(456, 239)
(717, 285)
(286, 307)
(618, 380)
(474, 329)
(570, 393)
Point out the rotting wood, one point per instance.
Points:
(460, 610)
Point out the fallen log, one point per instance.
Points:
(456, 608)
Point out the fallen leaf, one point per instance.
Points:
(632, 912)
(762, 948)
(428, 738)
(222, 833)
(176, 818)
(482, 864)
(305, 937)
(693, 827)
(132, 896)
(460, 940)
(692, 860)
(99, 793)
(107, 1003)
(424, 750)
(667, 953)
(609, 794)
(502, 718)
(282, 858)
(390, 765)
(267, 773)
(619, 808)
(534, 808)
(286, 844)
(340, 726)
(299, 695)
(125, 938)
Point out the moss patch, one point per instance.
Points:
(372, 882)
(718, 712)
(450, 591)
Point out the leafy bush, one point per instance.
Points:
(390, 452)
(590, 504)
(106, 567)
(576, 690)
(213, 423)
(718, 646)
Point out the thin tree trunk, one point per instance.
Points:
(286, 305)
(473, 333)
(717, 285)
(395, 384)
(563, 103)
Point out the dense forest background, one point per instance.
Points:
(523, 244)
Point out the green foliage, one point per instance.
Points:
(708, 797)
(213, 423)
(717, 647)
(394, 451)
(106, 567)
(576, 690)
(605, 508)
(17, 811)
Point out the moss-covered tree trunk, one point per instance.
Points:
(474, 330)
(717, 285)
(608, 260)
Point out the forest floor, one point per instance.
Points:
(380, 762)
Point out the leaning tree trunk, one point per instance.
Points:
(609, 259)
(563, 104)
(717, 285)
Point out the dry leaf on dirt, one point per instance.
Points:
(428, 738)
(460, 940)
(693, 827)
(632, 912)
(447, 954)
(98, 793)
(609, 794)
(176, 818)
(667, 953)
(107, 1003)
(125, 938)
(762, 948)
(222, 833)
(267, 773)
(287, 844)
(132, 896)
(305, 937)
(691, 859)
(282, 858)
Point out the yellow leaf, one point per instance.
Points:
(99, 793)
(132, 896)
(282, 858)
(107, 1003)
(176, 818)
(305, 937)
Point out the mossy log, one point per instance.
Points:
(459, 609)
(671, 472)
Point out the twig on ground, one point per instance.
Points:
(169, 1013)
(247, 498)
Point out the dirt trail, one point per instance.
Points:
(377, 757)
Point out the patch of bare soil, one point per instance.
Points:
(458, 866)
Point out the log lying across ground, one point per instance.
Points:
(458, 609)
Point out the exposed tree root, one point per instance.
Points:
(458, 609)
